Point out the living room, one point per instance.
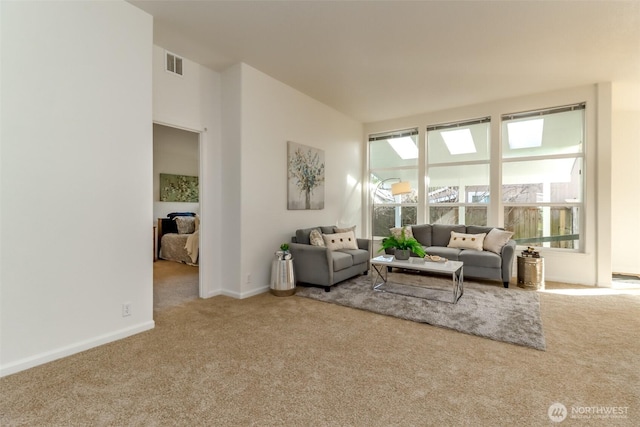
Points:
(94, 120)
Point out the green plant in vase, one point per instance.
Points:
(283, 253)
(402, 243)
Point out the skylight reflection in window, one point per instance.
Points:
(525, 134)
(459, 141)
(405, 147)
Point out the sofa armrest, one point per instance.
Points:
(364, 244)
(507, 254)
(312, 264)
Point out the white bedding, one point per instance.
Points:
(193, 246)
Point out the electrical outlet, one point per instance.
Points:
(248, 278)
(126, 309)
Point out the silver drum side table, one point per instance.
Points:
(283, 283)
(531, 273)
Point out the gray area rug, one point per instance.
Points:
(486, 310)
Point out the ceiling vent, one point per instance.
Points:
(173, 63)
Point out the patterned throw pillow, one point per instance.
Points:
(315, 238)
(340, 241)
(466, 241)
(397, 232)
(496, 239)
(185, 224)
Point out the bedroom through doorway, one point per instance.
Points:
(176, 214)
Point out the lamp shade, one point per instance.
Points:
(400, 188)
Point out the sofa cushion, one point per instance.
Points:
(302, 235)
(422, 233)
(496, 239)
(449, 253)
(340, 241)
(481, 258)
(478, 229)
(341, 260)
(441, 233)
(466, 241)
(344, 230)
(315, 238)
(359, 255)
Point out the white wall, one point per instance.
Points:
(271, 114)
(192, 102)
(76, 156)
(177, 152)
(625, 180)
(563, 266)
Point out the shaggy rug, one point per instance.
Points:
(487, 310)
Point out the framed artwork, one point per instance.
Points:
(305, 177)
(178, 188)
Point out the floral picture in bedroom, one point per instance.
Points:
(305, 177)
(178, 188)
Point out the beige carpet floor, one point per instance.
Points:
(292, 361)
(174, 284)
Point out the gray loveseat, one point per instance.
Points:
(479, 264)
(325, 267)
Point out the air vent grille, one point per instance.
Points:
(173, 63)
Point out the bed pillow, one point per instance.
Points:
(340, 241)
(496, 239)
(466, 241)
(185, 224)
(315, 238)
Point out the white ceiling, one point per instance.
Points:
(376, 60)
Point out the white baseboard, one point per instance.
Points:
(241, 295)
(50, 356)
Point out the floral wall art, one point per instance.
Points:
(305, 177)
(178, 188)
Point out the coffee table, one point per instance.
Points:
(381, 263)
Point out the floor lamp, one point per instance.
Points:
(400, 187)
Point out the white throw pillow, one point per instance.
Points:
(315, 238)
(466, 241)
(340, 241)
(496, 239)
(397, 232)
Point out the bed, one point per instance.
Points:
(179, 238)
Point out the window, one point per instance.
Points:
(537, 165)
(542, 176)
(458, 156)
(393, 158)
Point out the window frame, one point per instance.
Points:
(392, 171)
(461, 206)
(580, 205)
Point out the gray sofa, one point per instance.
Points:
(479, 264)
(321, 266)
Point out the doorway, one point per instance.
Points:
(176, 156)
